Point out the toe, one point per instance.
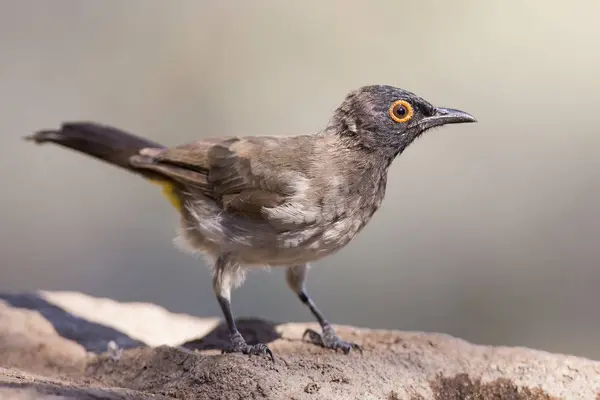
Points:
(258, 349)
(269, 353)
(347, 346)
(330, 340)
(341, 345)
(313, 337)
(261, 349)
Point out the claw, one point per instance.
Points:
(239, 345)
(313, 336)
(270, 353)
(330, 340)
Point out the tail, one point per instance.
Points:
(110, 145)
(103, 142)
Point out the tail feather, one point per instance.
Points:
(105, 143)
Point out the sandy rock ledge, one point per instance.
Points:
(57, 345)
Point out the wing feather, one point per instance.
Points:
(222, 169)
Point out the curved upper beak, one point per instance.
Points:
(445, 116)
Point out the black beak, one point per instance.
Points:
(445, 116)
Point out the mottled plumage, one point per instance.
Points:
(276, 201)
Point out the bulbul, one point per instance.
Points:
(286, 201)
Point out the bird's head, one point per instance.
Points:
(386, 119)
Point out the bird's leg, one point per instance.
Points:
(225, 272)
(295, 277)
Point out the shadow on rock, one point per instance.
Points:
(254, 331)
(92, 336)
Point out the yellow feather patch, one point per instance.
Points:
(169, 191)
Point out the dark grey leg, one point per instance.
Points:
(295, 277)
(226, 270)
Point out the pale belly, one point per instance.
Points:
(306, 245)
(256, 243)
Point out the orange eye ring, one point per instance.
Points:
(401, 111)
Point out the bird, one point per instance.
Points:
(273, 201)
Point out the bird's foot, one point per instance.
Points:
(239, 345)
(330, 340)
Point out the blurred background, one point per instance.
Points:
(489, 231)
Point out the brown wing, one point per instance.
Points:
(222, 170)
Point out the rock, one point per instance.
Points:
(165, 327)
(55, 345)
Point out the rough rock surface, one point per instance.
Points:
(57, 345)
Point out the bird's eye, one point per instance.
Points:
(401, 111)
